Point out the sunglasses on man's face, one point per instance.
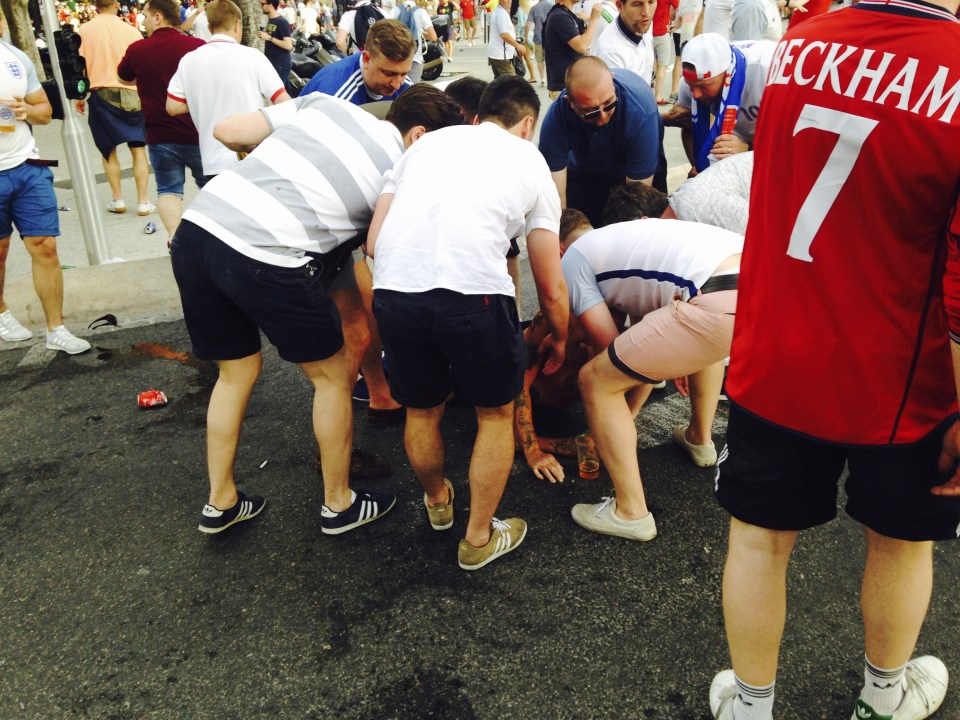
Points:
(591, 113)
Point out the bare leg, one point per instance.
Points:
(658, 82)
(425, 450)
(755, 599)
(170, 208)
(490, 466)
(228, 403)
(333, 424)
(141, 172)
(603, 388)
(111, 167)
(704, 395)
(372, 362)
(897, 583)
(4, 251)
(356, 334)
(47, 277)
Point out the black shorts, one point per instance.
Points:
(227, 296)
(777, 479)
(440, 340)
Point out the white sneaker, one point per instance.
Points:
(702, 455)
(117, 206)
(62, 339)
(723, 693)
(11, 330)
(602, 518)
(925, 686)
(145, 208)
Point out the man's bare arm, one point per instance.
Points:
(560, 180)
(581, 43)
(543, 249)
(242, 132)
(950, 455)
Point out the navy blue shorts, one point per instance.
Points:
(780, 480)
(28, 202)
(440, 340)
(228, 298)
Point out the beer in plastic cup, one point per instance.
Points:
(8, 121)
(587, 459)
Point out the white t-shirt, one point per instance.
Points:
(608, 18)
(642, 265)
(308, 20)
(20, 79)
(719, 196)
(459, 240)
(501, 23)
(310, 186)
(758, 55)
(616, 50)
(201, 28)
(716, 17)
(220, 79)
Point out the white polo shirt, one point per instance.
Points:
(501, 23)
(617, 50)
(639, 266)
(457, 237)
(220, 79)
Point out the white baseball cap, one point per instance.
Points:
(709, 54)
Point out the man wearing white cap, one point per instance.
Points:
(719, 96)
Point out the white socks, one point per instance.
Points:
(753, 703)
(882, 689)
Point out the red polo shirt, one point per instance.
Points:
(151, 63)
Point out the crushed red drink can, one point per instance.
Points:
(152, 398)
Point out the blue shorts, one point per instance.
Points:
(27, 201)
(170, 162)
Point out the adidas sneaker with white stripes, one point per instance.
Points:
(213, 520)
(505, 536)
(366, 507)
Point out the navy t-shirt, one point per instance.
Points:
(559, 28)
(626, 147)
(279, 28)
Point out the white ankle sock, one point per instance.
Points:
(753, 703)
(882, 689)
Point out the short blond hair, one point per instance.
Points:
(222, 15)
(391, 39)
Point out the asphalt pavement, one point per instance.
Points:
(114, 606)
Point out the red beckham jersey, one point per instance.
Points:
(850, 268)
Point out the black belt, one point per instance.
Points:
(720, 282)
(42, 163)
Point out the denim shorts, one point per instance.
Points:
(27, 201)
(170, 162)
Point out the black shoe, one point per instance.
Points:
(366, 507)
(213, 520)
(363, 466)
(386, 417)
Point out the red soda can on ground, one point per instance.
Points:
(151, 398)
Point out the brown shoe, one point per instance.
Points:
(364, 466)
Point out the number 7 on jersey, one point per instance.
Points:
(853, 131)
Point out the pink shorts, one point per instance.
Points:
(677, 340)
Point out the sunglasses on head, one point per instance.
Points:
(594, 112)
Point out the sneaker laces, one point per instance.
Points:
(603, 505)
(499, 525)
(918, 679)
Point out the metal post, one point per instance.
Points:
(74, 142)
